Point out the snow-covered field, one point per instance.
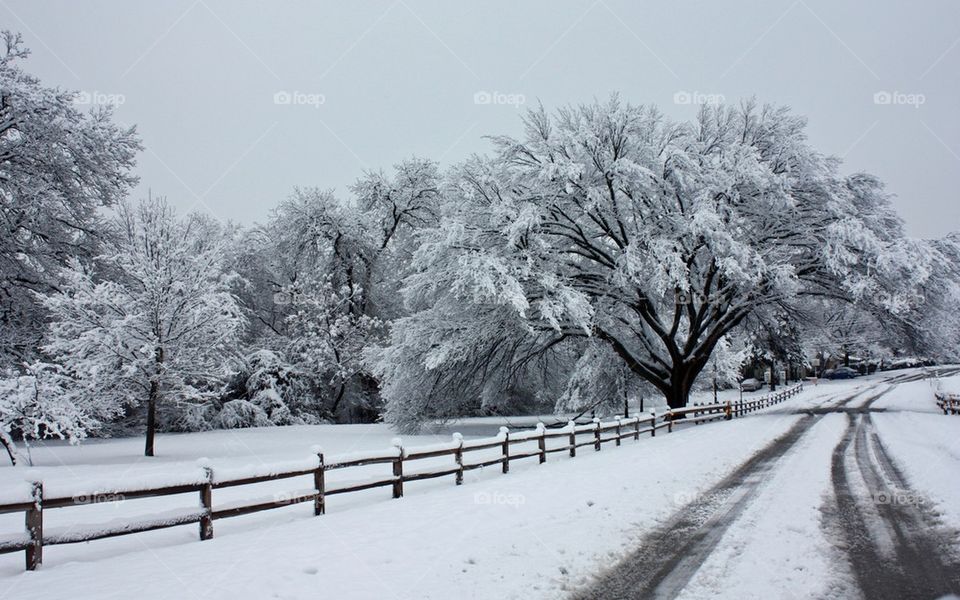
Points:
(534, 533)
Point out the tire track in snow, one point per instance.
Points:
(671, 554)
(895, 546)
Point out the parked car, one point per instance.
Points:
(841, 373)
(751, 385)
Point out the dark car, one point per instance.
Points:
(841, 373)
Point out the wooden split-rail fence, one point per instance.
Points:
(573, 437)
(948, 403)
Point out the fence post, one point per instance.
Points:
(398, 469)
(573, 438)
(728, 412)
(596, 434)
(33, 519)
(669, 419)
(458, 456)
(206, 502)
(542, 442)
(636, 428)
(619, 427)
(320, 484)
(653, 422)
(506, 449)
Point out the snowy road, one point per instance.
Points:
(877, 537)
(836, 493)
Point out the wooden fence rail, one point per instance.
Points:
(948, 403)
(402, 461)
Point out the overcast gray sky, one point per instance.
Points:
(370, 83)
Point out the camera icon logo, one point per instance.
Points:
(882, 97)
(482, 97)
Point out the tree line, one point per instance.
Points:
(608, 252)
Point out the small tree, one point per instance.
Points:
(157, 330)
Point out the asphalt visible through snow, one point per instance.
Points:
(894, 545)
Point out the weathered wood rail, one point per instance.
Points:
(572, 437)
(948, 403)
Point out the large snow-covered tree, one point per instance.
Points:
(153, 324)
(609, 222)
(58, 167)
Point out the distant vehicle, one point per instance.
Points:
(841, 373)
(751, 385)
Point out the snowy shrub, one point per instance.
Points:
(267, 391)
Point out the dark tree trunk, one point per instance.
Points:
(152, 402)
(681, 382)
(151, 417)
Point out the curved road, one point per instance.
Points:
(895, 547)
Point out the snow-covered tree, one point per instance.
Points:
(933, 327)
(58, 166)
(36, 402)
(323, 274)
(153, 324)
(659, 239)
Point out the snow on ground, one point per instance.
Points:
(778, 542)
(917, 396)
(925, 443)
(533, 533)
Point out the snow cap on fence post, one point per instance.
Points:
(571, 425)
(457, 437)
(541, 430)
(504, 431)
